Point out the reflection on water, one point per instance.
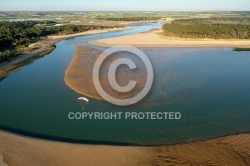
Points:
(209, 86)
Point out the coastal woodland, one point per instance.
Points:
(16, 36)
(214, 28)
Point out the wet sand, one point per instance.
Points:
(78, 75)
(155, 39)
(20, 150)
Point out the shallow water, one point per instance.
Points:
(209, 86)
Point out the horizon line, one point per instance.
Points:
(124, 10)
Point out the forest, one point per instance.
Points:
(214, 28)
(16, 36)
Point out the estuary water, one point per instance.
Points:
(210, 87)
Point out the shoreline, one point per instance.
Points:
(90, 32)
(16, 149)
(44, 137)
(7, 68)
(155, 39)
(48, 45)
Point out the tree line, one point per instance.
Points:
(221, 20)
(16, 36)
(131, 18)
(203, 28)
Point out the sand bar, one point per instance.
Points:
(78, 75)
(154, 39)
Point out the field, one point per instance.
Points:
(105, 17)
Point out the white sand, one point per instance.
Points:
(86, 33)
(153, 39)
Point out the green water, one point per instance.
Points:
(209, 86)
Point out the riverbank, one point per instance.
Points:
(155, 39)
(20, 150)
(85, 33)
(7, 68)
(45, 47)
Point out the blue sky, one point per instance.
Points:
(127, 5)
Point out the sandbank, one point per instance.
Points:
(155, 39)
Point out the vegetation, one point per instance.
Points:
(132, 18)
(16, 36)
(19, 28)
(215, 20)
(242, 49)
(215, 28)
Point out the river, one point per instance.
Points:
(208, 86)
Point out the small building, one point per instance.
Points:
(58, 25)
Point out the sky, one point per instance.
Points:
(125, 5)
